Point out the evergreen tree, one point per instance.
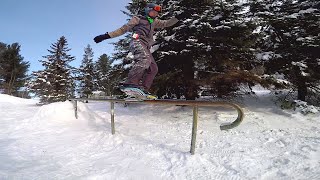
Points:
(13, 70)
(293, 39)
(210, 48)
(230, 60)
(86, 69)
(176, 56)
(122, 57)
(104, 80)
(2, 50)
(55, 82)
(136, 7)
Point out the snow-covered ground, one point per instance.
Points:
(153, 142)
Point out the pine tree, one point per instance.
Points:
(292, 39)
(55, 82)
(210, 48)
(122, 57)
(86, 78)
(2, 50)
(136, 7)
(228, 48)
(104, 70)
(13, 70)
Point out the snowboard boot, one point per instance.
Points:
(136, 92)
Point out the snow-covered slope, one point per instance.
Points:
(15, 100)
(153, 142)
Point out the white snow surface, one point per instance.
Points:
(153, 142)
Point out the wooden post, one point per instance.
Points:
(112, 118)
(194, 129)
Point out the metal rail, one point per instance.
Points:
(194, 104)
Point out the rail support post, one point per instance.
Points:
(112, 118)
(75, 104)
(194, 129)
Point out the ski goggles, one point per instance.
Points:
(157, 8)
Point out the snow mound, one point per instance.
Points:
(64, 112)
(4, 98)
(59, 111)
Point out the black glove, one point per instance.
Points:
(101, 37)
(182, 15)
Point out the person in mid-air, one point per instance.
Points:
(144, 68)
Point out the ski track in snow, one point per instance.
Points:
(153, 142)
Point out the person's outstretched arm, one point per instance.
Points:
(118, 32)
(159, 24)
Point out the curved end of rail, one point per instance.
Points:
(237, 121)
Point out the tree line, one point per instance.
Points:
(221, 47)
(59, 81)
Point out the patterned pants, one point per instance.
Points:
(144, 67)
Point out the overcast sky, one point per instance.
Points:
(36, 24)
